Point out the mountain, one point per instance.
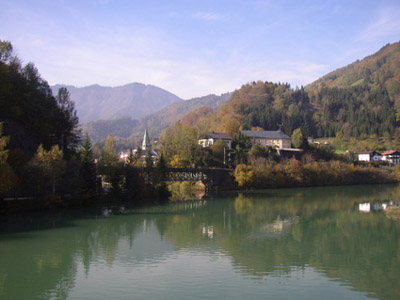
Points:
(361, 99)
(127, 127)
(96, 102)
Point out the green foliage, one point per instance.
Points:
(8, 179)
(110, 155)
(87, 168)
(240, 146)
(50, 163)
(298, 139)
(181, 140)
(68, 121)
(219, 150)
(159, 178)
(148, 159)
(109, 166)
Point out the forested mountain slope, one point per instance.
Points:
(360, 99)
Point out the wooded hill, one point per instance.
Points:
(360, 99)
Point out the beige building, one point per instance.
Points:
(269, 138)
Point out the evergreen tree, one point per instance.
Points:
(68, 121)
(149, 159)
(159, 177)
(87, 167)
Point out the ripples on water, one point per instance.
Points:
(296, 244)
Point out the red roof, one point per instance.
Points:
(390, 152)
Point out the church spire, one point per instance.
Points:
(146, 141)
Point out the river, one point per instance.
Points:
(313, 243)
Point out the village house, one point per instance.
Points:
(393, 157)
(269, 138)
(369, 156)
(212, 137)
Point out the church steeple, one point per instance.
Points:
(146, 141)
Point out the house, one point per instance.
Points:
(393, 157)
(369, 156)
(212, 137)
(269, 138)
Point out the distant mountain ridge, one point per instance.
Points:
(137, 100)
(127, 127)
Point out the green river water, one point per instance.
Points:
(314, 243)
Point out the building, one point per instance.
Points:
(146, 141)
(393, 157)
(146, 146)
(269, 138)
(212, 137)
(369, 156)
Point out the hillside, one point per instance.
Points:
(137, 100)
(127, 127)
(360, 99)
(379, 69)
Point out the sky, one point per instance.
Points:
(195, 48)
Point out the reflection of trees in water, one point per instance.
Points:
(363, 250)
(46, 262)
(264, 232)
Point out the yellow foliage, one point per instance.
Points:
(176, 162)
(244, 175)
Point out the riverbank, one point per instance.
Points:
(263, 174)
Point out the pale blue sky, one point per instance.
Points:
(194, 48)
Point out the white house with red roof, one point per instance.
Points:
(393, 157)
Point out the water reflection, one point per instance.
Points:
(368, 207)
(236, 240)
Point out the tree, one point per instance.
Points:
(219, 151)
(6, 51)
(50, 163)
(109, 165)
(87, 167)
(244, 175)
(8, 179)
(131, 159)
(68, 122)
(109, 156)
(240, 146)
(149, 159)
(298, 139)
(160, 176)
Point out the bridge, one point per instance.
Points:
(209, 177)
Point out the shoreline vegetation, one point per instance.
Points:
(262, 173)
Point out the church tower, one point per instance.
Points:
(146, 141)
